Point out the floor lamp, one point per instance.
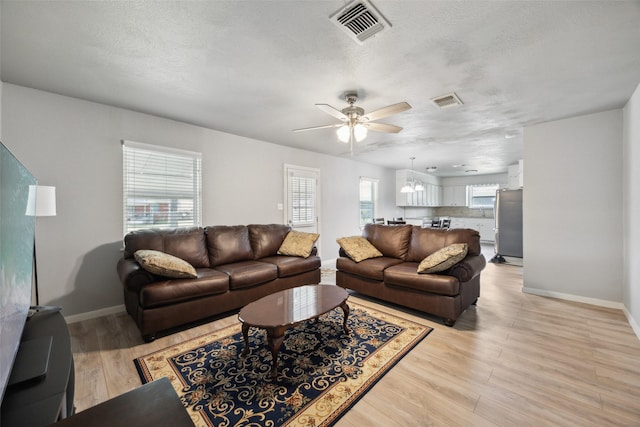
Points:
(41, 202)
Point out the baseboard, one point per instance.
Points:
(97, 313)
(632, 322)
(575, 298)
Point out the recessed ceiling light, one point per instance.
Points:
(458, 166)
(432, 168)
(471, 170)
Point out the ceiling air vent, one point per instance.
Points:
(360, 20)
(446, 101)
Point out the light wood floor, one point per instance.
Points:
(512, 360)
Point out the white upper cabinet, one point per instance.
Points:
(515, 176)
(454, 195)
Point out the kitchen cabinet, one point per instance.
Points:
(454, 195)
(515, 176)
(485, 226)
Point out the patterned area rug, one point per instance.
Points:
(321, 371)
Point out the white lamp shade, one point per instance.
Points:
(41, 201)
(360, 132)
(406, 189)
(343, 133)
(419, 187)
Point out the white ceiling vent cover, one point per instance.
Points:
(360, 20)
(447, 101)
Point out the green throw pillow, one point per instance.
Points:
(297, 243)
(358, 248)
(443, 259)
(163, 264)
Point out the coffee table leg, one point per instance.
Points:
(275, 336)
(345, 309)
(245, 334)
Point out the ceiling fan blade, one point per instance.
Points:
(382, 127)
(337, 125)
(332, 111)
(386, 111)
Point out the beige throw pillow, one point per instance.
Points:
(297, 243)
(358, 248)
(163, 264)
(443, 259)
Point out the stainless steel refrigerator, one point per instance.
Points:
(508, 217)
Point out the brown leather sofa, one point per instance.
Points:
(235, 265)
(394, 277)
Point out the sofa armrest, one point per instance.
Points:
(132, 276)
(468, 268)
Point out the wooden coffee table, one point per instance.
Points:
(278, 312)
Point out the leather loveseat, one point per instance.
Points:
(235, 265)
(393, 276)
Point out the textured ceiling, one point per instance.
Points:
(256, 68)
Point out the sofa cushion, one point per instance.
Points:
(358, 248)
(228, 244)
(406, 275)
(290, 265)
(391, 240)
(298, 244)
(443, 259)
(371, 268)
(245, 274)
(426, 241)
(165, 265)
(187, 243)
(266, 238)
(209, 282)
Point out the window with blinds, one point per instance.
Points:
(482, 196)
(368, 200)
(162, 187)
(302, 189)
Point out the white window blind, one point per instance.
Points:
(482, 196)
(368, 199)
(162, 187)
(302, 196)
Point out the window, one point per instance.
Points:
(482, 196)
(368, 200)
(162, 187)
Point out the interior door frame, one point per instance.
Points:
(305, 170)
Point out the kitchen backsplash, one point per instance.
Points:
(463, 212)
(452, 211)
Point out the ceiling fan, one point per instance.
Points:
(355, 123)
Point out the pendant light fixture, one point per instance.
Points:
(412, 185)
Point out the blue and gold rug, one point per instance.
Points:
(321, 371)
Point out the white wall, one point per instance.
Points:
(573, 208)
(76, 146)
(631, 210)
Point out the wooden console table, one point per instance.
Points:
(153, 404)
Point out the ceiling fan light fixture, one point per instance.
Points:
(343, 133)
(360, 132)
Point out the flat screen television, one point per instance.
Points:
(17, 234)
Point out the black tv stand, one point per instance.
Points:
(43, 399)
